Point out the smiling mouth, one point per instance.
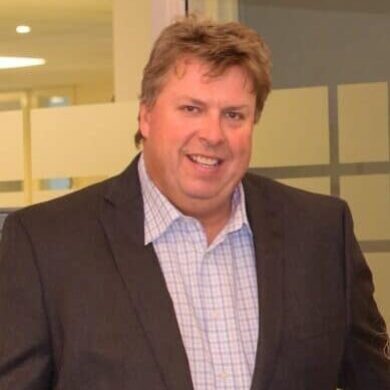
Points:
(204, 161)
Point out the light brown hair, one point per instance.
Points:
(221, 45)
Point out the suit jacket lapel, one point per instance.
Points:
(265, 216)
(123, 220)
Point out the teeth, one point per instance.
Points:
(208, 161)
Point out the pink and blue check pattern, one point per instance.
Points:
(213, 288)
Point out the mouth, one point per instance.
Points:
(205, 161)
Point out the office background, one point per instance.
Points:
(325, 128)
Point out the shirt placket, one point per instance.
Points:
(221, 318)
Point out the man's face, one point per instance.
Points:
(198, 135)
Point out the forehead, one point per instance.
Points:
(195, 70)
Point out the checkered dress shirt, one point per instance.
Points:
(213, 288)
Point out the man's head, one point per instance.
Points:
(203, 89)
(219, 45)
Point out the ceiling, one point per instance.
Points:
(74, 36)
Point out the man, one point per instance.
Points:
(184, 271)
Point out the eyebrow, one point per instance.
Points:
(202, 103)
(239, 107)
(192, 100)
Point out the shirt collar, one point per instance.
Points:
(160, 213)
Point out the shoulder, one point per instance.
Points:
(286, 192)
(81, 202)
(294, 202)
(82, 205)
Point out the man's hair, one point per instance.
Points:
(220, 45)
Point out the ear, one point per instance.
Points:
(144, 120)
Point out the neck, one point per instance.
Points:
(213, 219)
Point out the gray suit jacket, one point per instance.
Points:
(84, 305)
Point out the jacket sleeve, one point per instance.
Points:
(25, 352)
(366, 359)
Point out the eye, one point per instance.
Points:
(234, 115)
(190, 109)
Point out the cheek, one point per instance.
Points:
(169, 131)
(241, 145)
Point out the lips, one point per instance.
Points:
(204, 161)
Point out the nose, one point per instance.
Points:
(211, 132)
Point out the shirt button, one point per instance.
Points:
(216, 315)
(223, 375)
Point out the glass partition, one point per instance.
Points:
(222, 10)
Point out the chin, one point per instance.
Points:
(202, 194)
